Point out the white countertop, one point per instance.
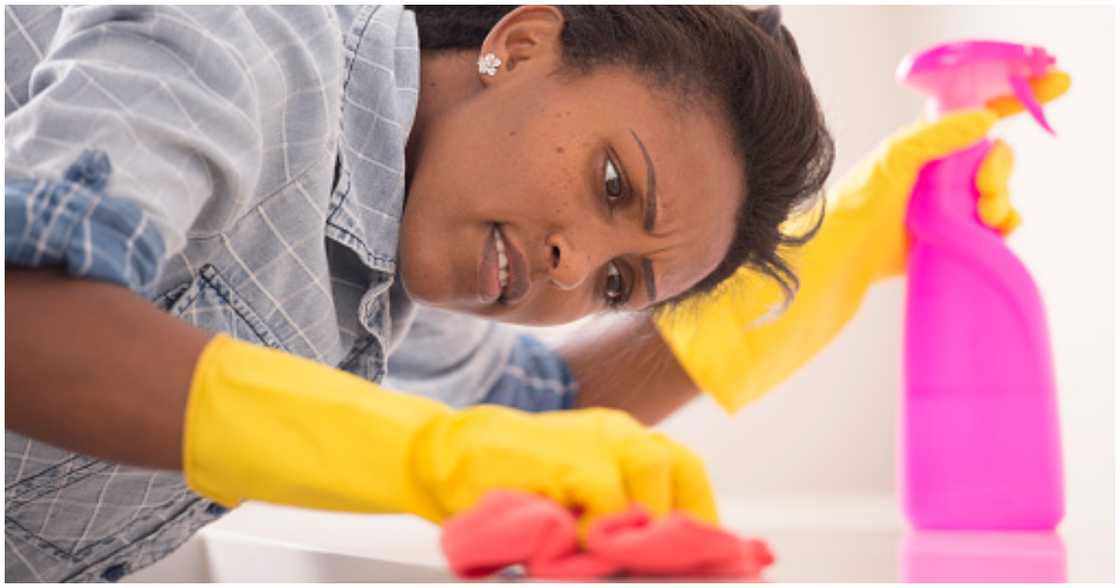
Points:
(814, 540)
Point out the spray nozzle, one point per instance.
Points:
(966, 74)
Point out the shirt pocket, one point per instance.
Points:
(210, 303)
(82, 510)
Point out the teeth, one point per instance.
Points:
(503, 261)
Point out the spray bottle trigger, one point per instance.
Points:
(1023, 92)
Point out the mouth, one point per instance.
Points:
(502, 276)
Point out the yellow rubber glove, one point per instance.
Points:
(269, 426)
(863, 239)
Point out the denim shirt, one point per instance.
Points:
(243, 167)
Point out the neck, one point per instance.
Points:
(447, 79)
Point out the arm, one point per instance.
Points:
(863, 240)
(95, 368)
(626, 365)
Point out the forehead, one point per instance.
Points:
(700, 177)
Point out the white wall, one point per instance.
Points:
(831, 428)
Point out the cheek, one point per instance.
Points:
(419, 256)
(535, 184)
(536, 159)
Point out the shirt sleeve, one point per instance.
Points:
(463, 360)
(534, 378)
(137, 120)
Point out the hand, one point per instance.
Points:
(269, 426)
(877, 191)
(594, 460)
(882, 183)
(994, 207)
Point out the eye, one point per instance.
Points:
(612, 181)
(615, 292)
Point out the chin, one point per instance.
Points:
(431, 291)
(417, 288)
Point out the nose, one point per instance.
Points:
(568, 267)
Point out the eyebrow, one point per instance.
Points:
(649, 216)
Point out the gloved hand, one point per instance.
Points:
(265, 425)
(994, 207)
(863, 239)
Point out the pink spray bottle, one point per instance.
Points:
(979, 428)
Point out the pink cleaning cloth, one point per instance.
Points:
(508, 528)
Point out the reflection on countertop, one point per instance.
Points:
(959, 556)
(834, 539)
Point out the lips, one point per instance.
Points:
(489, 285)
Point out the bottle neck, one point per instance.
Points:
(946, 190)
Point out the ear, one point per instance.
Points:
(527, 38)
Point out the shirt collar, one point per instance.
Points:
(381, 76)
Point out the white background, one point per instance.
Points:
(830, 431)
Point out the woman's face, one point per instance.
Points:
(542, 199)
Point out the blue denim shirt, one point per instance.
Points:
(244, 168)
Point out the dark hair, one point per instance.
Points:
(743, 59)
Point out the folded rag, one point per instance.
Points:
(508, 528)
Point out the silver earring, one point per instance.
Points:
(488, 64)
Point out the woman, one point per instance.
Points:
(290, 185)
